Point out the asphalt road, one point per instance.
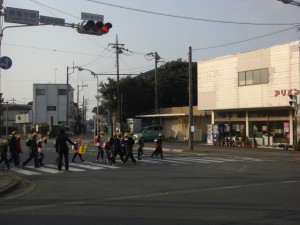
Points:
(209, 186)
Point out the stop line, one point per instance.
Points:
(30, 170)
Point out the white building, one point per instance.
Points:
(51, 104)
(12, 118)
(251, 90)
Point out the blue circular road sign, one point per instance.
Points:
(5, 62)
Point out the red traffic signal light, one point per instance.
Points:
(94, 28)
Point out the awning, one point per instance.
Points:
(162, 115)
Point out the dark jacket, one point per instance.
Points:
(13, 144)
(33, 146)
(61, 143)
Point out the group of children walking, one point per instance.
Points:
(13, 146)
(122, 145)
(108, 149)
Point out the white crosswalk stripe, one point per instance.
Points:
(25, 172)
(85, 166)
(30, 170)
(70, 168)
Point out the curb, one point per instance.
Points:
(12, 182)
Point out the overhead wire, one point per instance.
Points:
(238, 42)
(48, 49)
(190, 18)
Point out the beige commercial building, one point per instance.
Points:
(251, 90)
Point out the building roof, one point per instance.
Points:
(16, 106)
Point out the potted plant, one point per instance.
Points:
(254, 143)
(236, 141)
(244, 137)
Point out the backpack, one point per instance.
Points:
(28, 143)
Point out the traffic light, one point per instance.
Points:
(94, 28)
(293, 101)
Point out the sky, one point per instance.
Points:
(41, 54)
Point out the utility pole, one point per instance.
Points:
(67, 90)
(118, 51)
(156, 89)
(156, 58)
(191, 119)
(82, 86)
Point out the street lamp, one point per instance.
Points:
(97, 97)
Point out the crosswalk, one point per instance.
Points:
(30, 170)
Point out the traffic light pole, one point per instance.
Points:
(191, 132)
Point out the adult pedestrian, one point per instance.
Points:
(33, 151)
(129, 142)
(62, 148)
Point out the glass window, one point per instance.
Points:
(249, 77)
(259, 76)
(62, 92)
(256, 76)
(242, 78)
(51, 108)
(40, 91)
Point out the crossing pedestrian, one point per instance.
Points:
(76, 149)
(19, 147)
(115, 147)
(158, 147)
(99, 142)
(33, 151)
(62, 148)
(141, 144)
(13, 149)
(42, 143)
(129, 142)
(3, 151)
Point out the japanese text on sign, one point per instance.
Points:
(52, 20)
(94, 17)
(22, 16)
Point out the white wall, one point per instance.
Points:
(218, 79)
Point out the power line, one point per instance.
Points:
(55, 9)
(52, 50)
(238, 42)
(192, 18)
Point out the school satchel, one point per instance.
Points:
(28, 143)
(82, 149)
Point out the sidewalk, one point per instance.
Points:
(8, 182)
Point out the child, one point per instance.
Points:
(76, 149)
(3, 150)
(41, 143)
(140, 146)
(99, 142)
(158, 147)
